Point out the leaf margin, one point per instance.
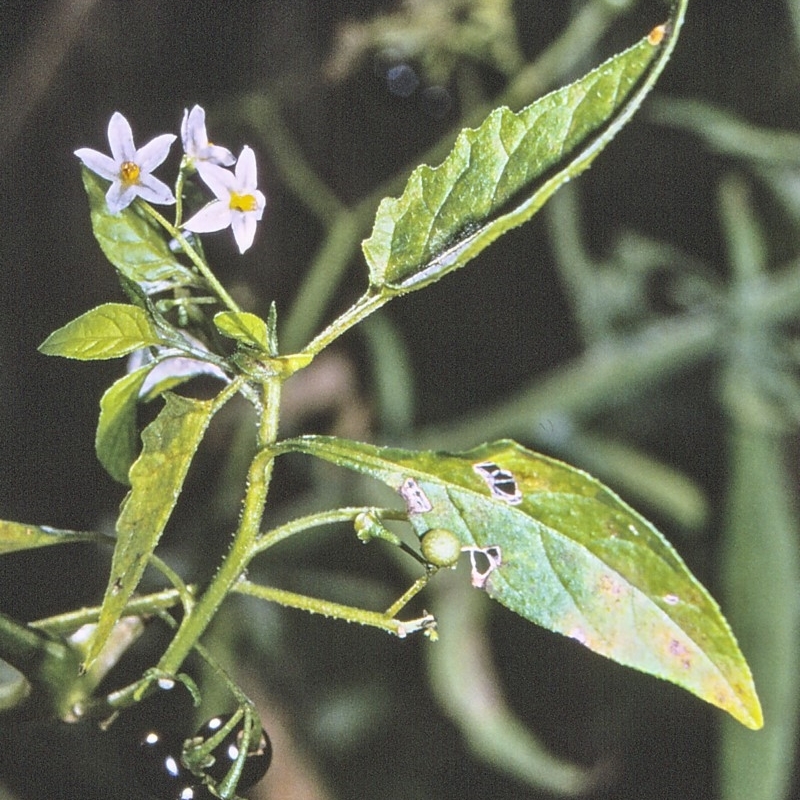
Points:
(20, 536)
(371, 460)
(661, 39)
(142, 522)
(134, 330)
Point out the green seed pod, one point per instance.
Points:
(440, 547)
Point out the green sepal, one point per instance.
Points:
(168, 446)
(108, 331)
(568, 554)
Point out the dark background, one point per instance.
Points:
(472, 339)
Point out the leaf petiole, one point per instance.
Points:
(327, 608)
(368, 303)
(267, 540)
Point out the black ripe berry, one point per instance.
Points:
(150, 736)
(158, 768)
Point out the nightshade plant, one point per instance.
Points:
(543, 538)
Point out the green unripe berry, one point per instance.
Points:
(440, 547)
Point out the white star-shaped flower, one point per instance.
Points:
(195, 140)
(239, 203)
(129, 169)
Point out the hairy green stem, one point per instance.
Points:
(327, 608)
(235, 562)
(316, 520)
(186, 593)
(410, 593)
(137, 606)
(367, 304)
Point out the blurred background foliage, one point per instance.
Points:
(644, 327)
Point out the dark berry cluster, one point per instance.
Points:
(155, 749)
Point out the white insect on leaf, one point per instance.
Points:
(416, 500)
(501, 483)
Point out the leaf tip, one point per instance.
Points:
(46, 348)
(741, 702)
(750, 715)
(93, 649)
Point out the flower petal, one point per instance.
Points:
(185, 130)
(193, 131)
(154, 152)
(216, 154)
(221, 181)
(176, 369)
(195, 140)
(213, 217)
(244, 229)
(152, 189)
(120, 196)
(120, 138)
(261, 203)
(98, 162)
(246, 173)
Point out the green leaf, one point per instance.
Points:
(447, 215)
(16, 536)
(569, 555)
(117, 442)
(133, 243)
(117, 438)
(168, 445)
(108, 331)
(244, 327)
